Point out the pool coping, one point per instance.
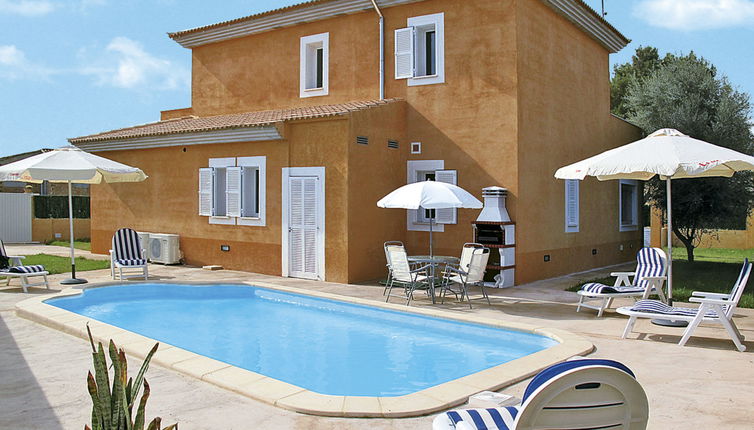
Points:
(298, 399)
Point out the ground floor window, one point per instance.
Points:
(232, 190)
(628, 196)
(432, 170)
(571, 206)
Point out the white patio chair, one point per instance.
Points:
(127, 254)
(402, 274)
(651, 267)
(576, 394)
(713, 308)
(387, 258)
(471, 270)
(17, 270)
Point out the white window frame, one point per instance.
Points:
(258, 162)
(572, 193)
(420, 23)
(634, 205)
(416, 147)
(216, 163)
(307, 64)
(413, 167)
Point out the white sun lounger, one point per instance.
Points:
(714, 308)
(651, 266)
(577, 394)
(23, 273)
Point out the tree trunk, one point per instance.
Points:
(687, 242)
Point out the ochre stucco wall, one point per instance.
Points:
(167, 202)
(564, 116)
(374, 170)
(525, 92)
(44, 229)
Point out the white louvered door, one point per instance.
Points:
(303, 226)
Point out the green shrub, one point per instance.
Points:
(112, 409)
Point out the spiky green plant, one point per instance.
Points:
(112, 408)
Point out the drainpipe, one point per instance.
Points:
(382, 50)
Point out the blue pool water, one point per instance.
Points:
(325, 346)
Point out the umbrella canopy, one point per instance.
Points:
(69, 163)
(429, 195)
(72, 165)
(668, 153)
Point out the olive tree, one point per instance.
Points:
(686, 93)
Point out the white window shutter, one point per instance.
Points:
(572, 205)
(233, 191)
(450, 215)
(206, 185)
(404, 53)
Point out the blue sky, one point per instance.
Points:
(75, 67)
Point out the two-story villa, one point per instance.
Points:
(303, 117)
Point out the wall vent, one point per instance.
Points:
(362, 140)
(392, 144)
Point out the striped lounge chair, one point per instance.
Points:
(17, 270)
(128, 255)
(576, 394)
(651, 267)
(713, 308)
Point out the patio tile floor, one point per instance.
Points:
(707, 384)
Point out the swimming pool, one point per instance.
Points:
(325, 346)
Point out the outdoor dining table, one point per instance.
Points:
(433, 261)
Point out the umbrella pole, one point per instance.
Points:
(661, 321)
(670, 241)
(430, 233)
(73, 279)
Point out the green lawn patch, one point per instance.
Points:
(715, 270)
(82, 244)
(55, 264)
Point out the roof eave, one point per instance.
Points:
(582, 16)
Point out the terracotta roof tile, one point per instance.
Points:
(194, 124)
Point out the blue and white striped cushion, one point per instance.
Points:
(660, 308)
(126, 245)
(649, 263)
(597, 288)
(27, 269)
(486, 419)
(132, 262)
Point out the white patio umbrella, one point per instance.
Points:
(72, 165)
(668, 153)
(429, 195)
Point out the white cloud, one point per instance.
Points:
(11, 56)
(27, 7)
(15, 65)
(690, 15)
(127, 65)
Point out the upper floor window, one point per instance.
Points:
(629, 204)
(314, 65)
(420, 50)
(232, 191)
(571, 205)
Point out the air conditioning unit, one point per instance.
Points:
(144, 239)
(164, 248)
